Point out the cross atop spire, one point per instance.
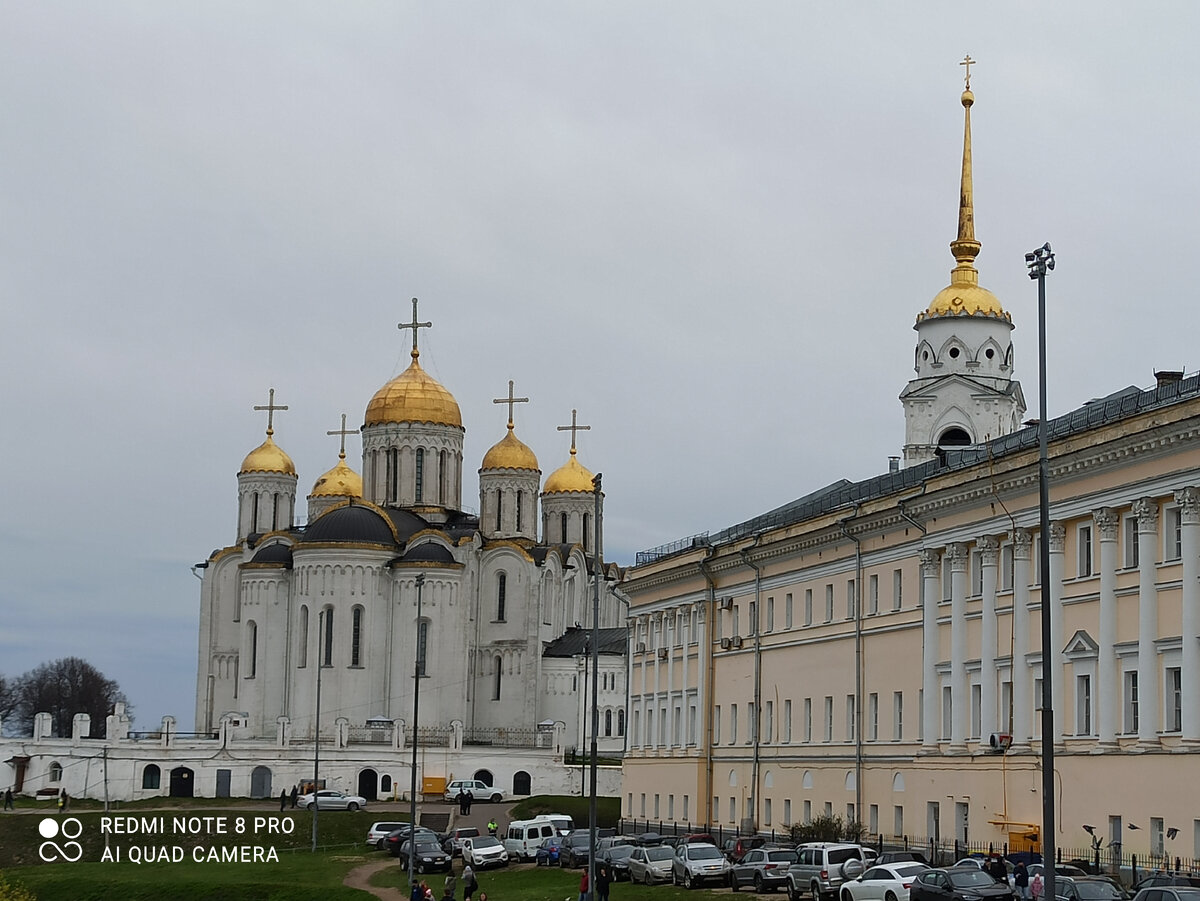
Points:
(968, 62)
(343, 431)
(270, 407)
(510, 400)
(414, 325)
(573, 428)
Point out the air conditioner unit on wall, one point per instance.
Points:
(662, 653)
(736, 641)
(1000, 741)
(726, 643)
(641, 647)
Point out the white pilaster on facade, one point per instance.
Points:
(960, 697)
(930, 566)
(1056, 664)
(1189, 516)
(703, 643)
(989, 559)
(1146, 511)
(1022, 724)
(672, 738)
(1108, 688)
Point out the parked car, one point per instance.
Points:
(1155, 880)
(330, 799)
(1060, 869)
(481, 791)
(822, 867)
(617, 859)
(524, 837)
(901, 857)
(958, 884)
(1088, 888)
(484, 851)
(883, 882)
(427, 855)
(763, 868)
(696, 863)
(455, 839)
(549, 852)
(397, 838)
(378, 833)
(702, 837)
(743, 844)
(577, 849)
(1168, 893)
(648, 865)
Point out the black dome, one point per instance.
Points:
(429, 552)
(274, 553)
(406, 523)
(353, 523)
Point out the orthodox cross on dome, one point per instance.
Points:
(271, 407)
(510, 400)
(343, 431)
(968, 62)
(573, 428)
(414, 325)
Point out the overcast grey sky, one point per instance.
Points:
(709, 227)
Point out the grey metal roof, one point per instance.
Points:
(1122, 404)
(575, 641)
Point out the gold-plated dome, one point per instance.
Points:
(341, 481)
(268, 457)
(509, 453)
(413, 396)
(966, 300)
(571, 476)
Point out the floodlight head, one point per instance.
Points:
(1029, 258)
(1046, 247)
(1050, 262)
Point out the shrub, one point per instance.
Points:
(827, 828)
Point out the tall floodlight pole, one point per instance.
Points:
(412, 790)
(317, 728)
(598, 571)
(1039, 263)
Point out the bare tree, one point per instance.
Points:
(62, 688)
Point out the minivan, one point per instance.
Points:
(523, 837)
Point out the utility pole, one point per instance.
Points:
(598, 572)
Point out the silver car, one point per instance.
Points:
(650, 865)
(764, 868)
(329, 799)
(697, 863)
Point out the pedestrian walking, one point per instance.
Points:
(283, 798)
(294, 796)
(470, 799)
(1035, 887)
(8, 801)
(450, 889)
(470, 885)
(603, 881)
(1021, 881)
(62, 800)
(493, 827)
(583, 886)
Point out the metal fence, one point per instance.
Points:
(502, 738)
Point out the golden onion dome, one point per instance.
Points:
(509, 453)
(341, 481)
(571, 476)
(268, 457)
(965, 300)
(413, 396)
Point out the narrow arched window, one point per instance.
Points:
(251, 649)
(422, 647)
(586, 530)
(499, 510)
(501, 595)
(55, 774)
(302, 650)
(356, 617)
(442, 477)
(496, 679)
(274, 511)
(520, 500)
(327, 624)
(564, 528)
(393, 474)
(254, 513)
(607, 723)
(621, 722)
(419, 476)
(151, 777)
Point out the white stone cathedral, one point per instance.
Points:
(391, 574)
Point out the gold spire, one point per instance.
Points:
(572, 475)
(413, 395)
(269, 456)
(341, 481)
(964, 296)
(510, 452)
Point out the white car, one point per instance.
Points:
(484, 851)
(378, 832)
(696, 863)
(329, 799)
(480, 791)
(886, 882)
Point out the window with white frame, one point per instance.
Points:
(787, 610)
(898, 820)
(829, 603)
(1130, 684)
(1083, 705)
(769, 722)
(873, 819)
(771, 614)
(1156, 840)
(873, 720)
(851, 600)
(670, 807)
(656, 800)
(751, 723)
(733, 724)
(897, 588)
(920, 714)
(1037, 705)
(732, 809)
(873, 594)
(1006, 706)
(1174, 699)
(1006, 567)
(976, 710)
(808, 611)
(1083, 538)
(897, 716)
(1173, 534)
(643, 813)
(787, 811)
(767, 811)
(716, 728)
(754, 617)
(828, 717)
(976, 574)
(808, 719)
(947, 712)
(787, 720)
(851, 718)
(806, 806)
(1129, 526)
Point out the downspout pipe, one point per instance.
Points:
(745, 552)
(708, 701)
(858, 663)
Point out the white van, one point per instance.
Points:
(561, 822)
(524, 836)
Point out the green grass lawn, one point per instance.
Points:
(608, 810)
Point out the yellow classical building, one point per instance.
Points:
(873, 650)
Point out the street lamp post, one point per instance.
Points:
(317, 729)
(412, 791)
(598, 571)
(1039, 262)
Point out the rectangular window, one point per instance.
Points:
(851, 814)
(1174, 697)
(873, 594)
(670, 807)
(732, 809)
(1084, 536)
(769, 724)
(829, 603)
(787, 811)
(692, 719)
(770, 614)
(828, 717)
(656, 799)
(643, 813)
(873, 819)
(873, 718)
(716, 808)
(1131, 702)
(897, 589)
(851, 600)
(947, 712)
(685, 808)
(828, 808)
(1006, 567)
(716, 728)
(1037, 706)
(1173, 535)
(751, 723)
(787, 720)
(1083, 705)
(787, 611)
(1129, 525)
(920, 714)
(808, 719)
(767, 811)
(733, 724)
(946, 578)
(1006, 707)
(976, 574)
(1156, 840)
(898, 820)
(976, 710)
(808, 611)
(736, 611)
(753, 617)
(807, 808)
(897, 716)
(629, 803)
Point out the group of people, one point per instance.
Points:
(603, 881)
(423, 891)
(1026, 888)
(465, 799)
(284, 797)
